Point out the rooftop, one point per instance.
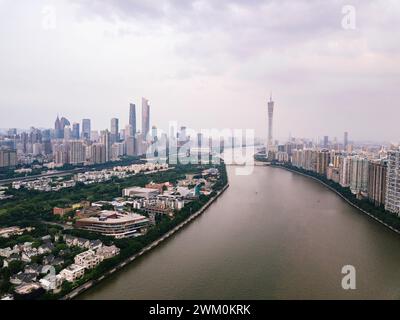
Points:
(110, 217)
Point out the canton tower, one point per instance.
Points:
(270, 122)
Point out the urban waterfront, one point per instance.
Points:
(272, 235)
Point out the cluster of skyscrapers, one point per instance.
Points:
(77, 143)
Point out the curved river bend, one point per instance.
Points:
(271, 235)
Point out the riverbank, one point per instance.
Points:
(73, 294)
(340, 195)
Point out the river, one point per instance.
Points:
(272, 235)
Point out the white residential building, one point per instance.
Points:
(88, 259)
(392, 201)
(359, 175)
(72, 272)
(108, 252)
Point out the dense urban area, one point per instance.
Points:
(75, 204)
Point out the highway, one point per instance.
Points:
(45, 175)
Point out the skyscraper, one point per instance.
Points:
(106, 141)
(145, 118)
(58, 134)
(64, 122)
(392, 197)
(346, 140)
(67, 133)
(132, 120)
(59, 127)
(359, 175)
(114, 130)
(8, 158)
(326, 142)
(270, 122)
(86, 128)
(323, 159)
(75, 131)
(76, 152)
(377, 182)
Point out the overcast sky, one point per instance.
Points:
(206, 64)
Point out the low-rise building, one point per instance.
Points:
(108, 252)
(72, 273)
(115, 224)
(6, 252)
(88, 259)
(140, 192)
(61, 211)
(21, 278)
(72, 241)
(27, 288)
(51, 282)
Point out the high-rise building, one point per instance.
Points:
(130, 146)
(67, 133)
(359, 175)
(64, 122)
(37, 149)
(117, 150)
(75, 131)
(345, 166)
(77, 152)
(183, 138)
(58, 130)
(132, 120)
(98, 153)
(12, 132)
(61, 154)
(114, 130)
(59, 127)
(326, 142)
(392, 199)
(270, 122)
(377, 182)
(46, 139)
(105, 139)
(86, 129)
(94, 136)
(323, 160)
(145, 118)
(346, 140)
(154, 133)
(8, 158)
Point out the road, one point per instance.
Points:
(53, 174)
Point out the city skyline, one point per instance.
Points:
(318, 69)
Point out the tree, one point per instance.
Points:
(15, 266)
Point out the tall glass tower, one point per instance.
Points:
(145, 117)
(132, 120)
(86, 128)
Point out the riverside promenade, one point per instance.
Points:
(74, 293)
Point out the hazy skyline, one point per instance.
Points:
(206, 64)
